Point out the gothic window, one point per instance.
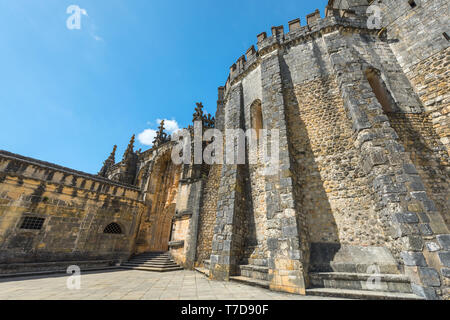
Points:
(113, 228)
(256, 117)
(379, 89)
(32, 223)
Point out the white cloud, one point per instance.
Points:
(147, 136)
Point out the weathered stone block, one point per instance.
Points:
(413, 259)
(445, 272)
(425, 292)
(433, 246)
(445, 258)
(413, 243)
(272, 243)
(444, 241)
(407, 217)
(429, 277)
(425, 229)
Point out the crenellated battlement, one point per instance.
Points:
(315, 26)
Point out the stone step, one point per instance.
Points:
(360, 281)
(251, 281)
(254, 272)
(152, 268)
(152, 261)
(153, 254)
(361, 294)
(155, 260)
(151, 257)
(203, 271)
(262, 262)
(151, 265)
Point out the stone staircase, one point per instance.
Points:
(333, 284)
(253, 272)
(205, 268)
(359, 286)
(152, 261)
(253, 275)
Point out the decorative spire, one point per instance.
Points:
(198, 115)
(108, 163)
(112, 156)
(209, 121)
(161, 136)
(130, 148)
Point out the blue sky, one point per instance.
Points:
(67, 96)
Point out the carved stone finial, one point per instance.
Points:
(108, 163)
(198, 114)
(161, 135)
(209, 121)
(130, 148)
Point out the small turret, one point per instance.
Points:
(108, 163)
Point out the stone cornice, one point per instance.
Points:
(54, 167)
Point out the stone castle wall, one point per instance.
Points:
(350, 169)
(332, 189)
(416, 36)
(207, 217)
(424, 148)
(76, 207)
(431, 80)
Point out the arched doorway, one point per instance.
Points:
(255, 246)
(160, 197)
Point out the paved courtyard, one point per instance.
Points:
(135, 285)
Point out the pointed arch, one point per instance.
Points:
(380, 90)
(256, 116)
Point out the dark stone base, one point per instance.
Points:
(334, 257)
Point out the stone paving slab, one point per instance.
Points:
(136, 285)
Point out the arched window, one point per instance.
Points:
(256, 117)
(380, 90)
(113, 228)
